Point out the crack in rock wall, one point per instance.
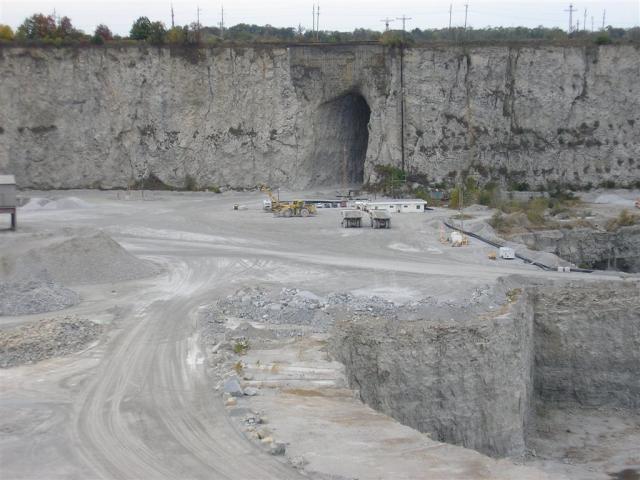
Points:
(474, 382)
(240, 117)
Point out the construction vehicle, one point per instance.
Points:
(282, 208)
(273, 204)
(296, 208)
(380, 219)
(351, 218)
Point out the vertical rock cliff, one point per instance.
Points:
(317, 115)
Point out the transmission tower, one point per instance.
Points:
(404, 19)
(386, 21)
(571, 10)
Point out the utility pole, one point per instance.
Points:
(466, 11)
(571, 10)
(578, 25)
(318, 21)
(604, 15)
(313, 17)
(386, 21)
(222, 21)
(404, 19)
(450, 14)
(198, 24)
(173, 23)
(592, 23)
(584, 24)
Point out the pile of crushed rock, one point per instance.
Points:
(34, 296)
(45, 339)
(85, 258)
(66, 203)
(37, 280)
(293, 312)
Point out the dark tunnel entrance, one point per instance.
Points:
(341, 136)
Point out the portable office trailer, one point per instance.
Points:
(399, 206)
(8, 200)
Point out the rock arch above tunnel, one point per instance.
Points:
(340, 139)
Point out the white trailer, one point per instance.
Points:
(507, 253)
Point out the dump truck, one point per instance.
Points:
(351, 218)
(380, 219)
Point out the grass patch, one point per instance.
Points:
(238, 367)
(513, 294)
(241, 347)
(625, 219)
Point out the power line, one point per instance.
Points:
(386, 22)
(571, 10)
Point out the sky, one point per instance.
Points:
(344, 15)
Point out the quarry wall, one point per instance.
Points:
(475, 382)
(590, 248)
(302, 116)
(587, 344)
(463, 382)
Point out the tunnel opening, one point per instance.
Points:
(341, 137)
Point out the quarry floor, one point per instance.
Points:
(139, 403)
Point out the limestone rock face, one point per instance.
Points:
(618, 250)
(301, 116)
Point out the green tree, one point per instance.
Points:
(177, 35)
(6, 33)
(103, 32)
(141, 29)
(37, 27)
(156, 33)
